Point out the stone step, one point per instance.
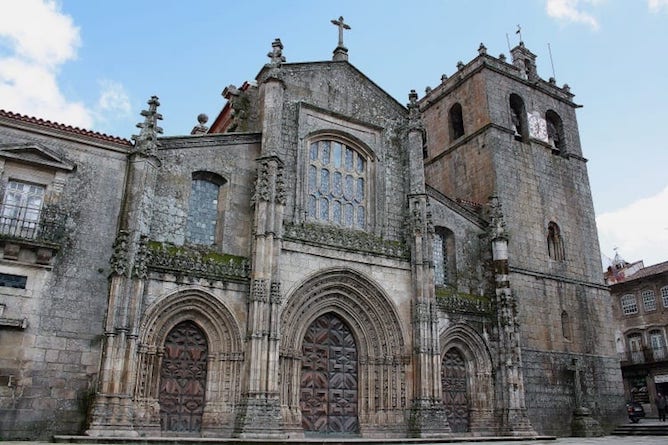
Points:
(654, 428)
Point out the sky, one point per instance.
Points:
(93, 64)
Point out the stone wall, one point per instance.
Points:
(550, 395)
(53, 362)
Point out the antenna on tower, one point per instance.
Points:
(508, 41)
(549, 49)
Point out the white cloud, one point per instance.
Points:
(36, 39)
(571, 11)
(113, 99)
(639, 230)
(657, 5)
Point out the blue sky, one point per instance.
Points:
(94, 64)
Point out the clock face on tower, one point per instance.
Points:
(537, 126)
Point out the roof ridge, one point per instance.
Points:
(64, 127)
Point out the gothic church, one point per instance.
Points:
(321, 261)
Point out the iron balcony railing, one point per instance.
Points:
(46, 224)
(646, 355)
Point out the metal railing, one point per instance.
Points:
(28, 223)
(646, 355)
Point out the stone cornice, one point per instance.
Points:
(353, 240)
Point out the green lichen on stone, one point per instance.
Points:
(196, 261)
(452, 301)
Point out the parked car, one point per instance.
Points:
(635, 411)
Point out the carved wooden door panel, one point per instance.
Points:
(328, 393)
(183, 379)
(455, 392)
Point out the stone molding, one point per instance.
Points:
(354, 240)
(196, 262)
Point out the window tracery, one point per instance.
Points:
(337, 184)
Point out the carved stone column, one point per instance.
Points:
(428, 417)
(113, 408)
(515, 421)
(259, 415)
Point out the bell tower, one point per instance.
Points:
(498, 129)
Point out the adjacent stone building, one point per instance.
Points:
(640, 310)
(322, 260)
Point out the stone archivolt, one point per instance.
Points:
(479, 369)
(380, 338)
(225, 357)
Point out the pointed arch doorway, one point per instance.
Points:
(183, 379)
(328, 389)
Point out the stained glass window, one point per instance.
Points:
(337, 184)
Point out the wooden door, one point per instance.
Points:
(455, 392)
(328, 393)
(183, 379)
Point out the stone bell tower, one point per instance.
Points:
(498, 129)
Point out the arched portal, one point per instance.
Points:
(467, 380)
(183, 378)
(455, 390)
(328, 389)
(369, 317)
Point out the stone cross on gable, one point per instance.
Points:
(577, 384)
(276, 54)
(341, 26)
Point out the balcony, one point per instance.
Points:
(646, 355)
(31, 235)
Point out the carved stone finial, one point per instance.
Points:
(566, 88)
(444, 77)
(552, 81)
(201, 128)
(502, 57)
(340, 52)
(414, 119)
(427, 89)
(276, 53)
(460, 65)
(146, 142)
(482, 49)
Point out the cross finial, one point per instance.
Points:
(519, 31)
(276, 53)
(341, 26)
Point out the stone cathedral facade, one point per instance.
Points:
(321, 261)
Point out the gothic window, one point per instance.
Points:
(664, 296)
(629, 304)
(21, 206)
(555, 243)
(444, 256)
(456, 122)
(566, 325)
(648, 300)
(518, 118)
(337, 184)
(204, 207)
(555, 130)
